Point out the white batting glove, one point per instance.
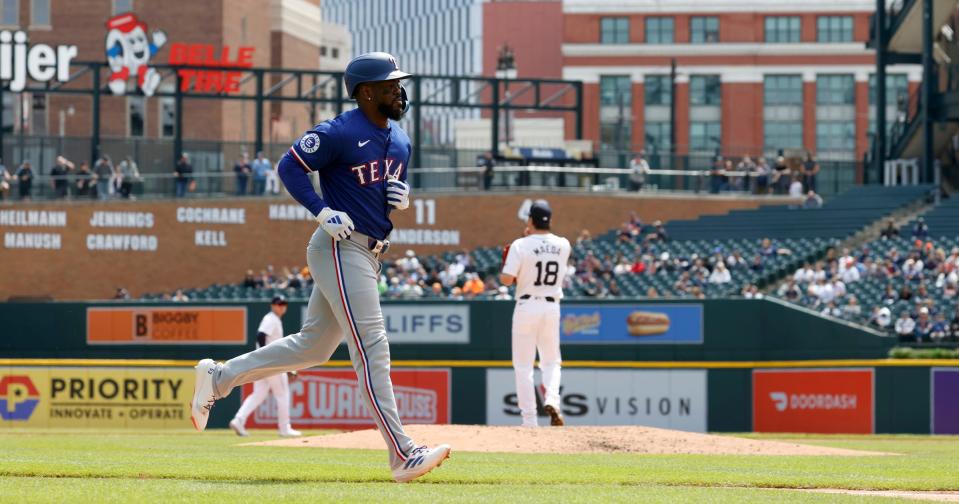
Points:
(397, 193)
(336, 224)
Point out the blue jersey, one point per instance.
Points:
(353, 157)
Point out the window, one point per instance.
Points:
(704, 90)
(614, 30)
(897, 98)
(121, 6)
(835, 135)
(40, 13)
(659, 30)
(335, 52)
(613, 88)
(39, 114)
(896, 86)
(782, 90)
(703, 29)
(704, 135)
(322, 50)
(658, 90)
(167, 116)
(835, 113)
(616, 135)
(782, 135)
(137, 115)
(835, 90)
(782, 29)
(657, 137)
(782, 112)
(11, 12)
(834, 29)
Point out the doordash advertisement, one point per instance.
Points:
(820, 401)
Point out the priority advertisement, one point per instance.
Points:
(670, 399)
(632, 324)
(95, 397)
(821, 401)
(332, 398)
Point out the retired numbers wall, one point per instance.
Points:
(85, 250)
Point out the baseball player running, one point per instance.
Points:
(537, 264)
(362, 158)
(270, 331)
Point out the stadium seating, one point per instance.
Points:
(801, 235)
(943, 225)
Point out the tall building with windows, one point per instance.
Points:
(428, 37)
(752, 76)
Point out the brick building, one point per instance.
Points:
(752, 76)
(756, 75)
(282, 33)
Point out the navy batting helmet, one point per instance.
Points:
(371, 67)
(279, 299)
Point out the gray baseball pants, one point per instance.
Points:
(345, 301)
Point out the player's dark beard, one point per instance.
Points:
(390, 112)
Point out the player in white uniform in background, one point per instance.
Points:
(270, 330)
(537, 264)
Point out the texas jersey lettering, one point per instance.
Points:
(354, 157)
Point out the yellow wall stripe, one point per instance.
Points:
(506, 364)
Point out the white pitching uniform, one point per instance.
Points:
(538, 262)
(278, 384)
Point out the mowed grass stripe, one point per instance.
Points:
(124, 491)
(183, 457)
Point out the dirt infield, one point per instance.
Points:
(643, 440)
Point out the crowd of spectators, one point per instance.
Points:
(758, 177)
(69, 180)
(588, 274)
(108, 180)
(920, 284)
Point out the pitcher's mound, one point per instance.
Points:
(646, 440)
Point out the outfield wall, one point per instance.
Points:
(720, 365)
(865, 396)
(726, 330)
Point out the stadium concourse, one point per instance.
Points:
(788, 251)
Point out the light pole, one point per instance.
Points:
(506, 69)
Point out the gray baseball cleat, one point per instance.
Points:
(203, 397)
(421, 461)
(555, 417)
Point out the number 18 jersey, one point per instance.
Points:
(538, 262)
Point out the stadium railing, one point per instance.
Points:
(833, 178)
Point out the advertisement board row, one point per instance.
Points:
(420, 323)
(783, 400)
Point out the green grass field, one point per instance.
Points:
(87, 466)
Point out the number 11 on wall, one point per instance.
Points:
(427, 207)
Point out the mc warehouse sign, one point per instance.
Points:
(332, 398)
(821, 401)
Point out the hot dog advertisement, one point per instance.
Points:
(632, 324)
